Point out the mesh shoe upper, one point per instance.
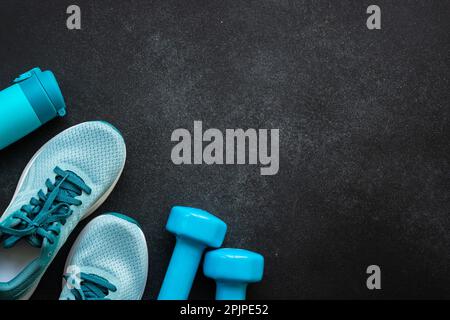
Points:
(113, 247)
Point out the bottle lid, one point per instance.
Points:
(43, 92)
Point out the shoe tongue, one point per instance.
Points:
(10, 241)
(10, 222)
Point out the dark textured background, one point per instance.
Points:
(363, 117)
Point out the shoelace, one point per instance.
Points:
(37, 219)
(90, 287)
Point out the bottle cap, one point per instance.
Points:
(43, 93)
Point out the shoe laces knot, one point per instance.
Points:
(43, 217)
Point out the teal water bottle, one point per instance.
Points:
(34, 99)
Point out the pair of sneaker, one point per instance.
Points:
(64, 182)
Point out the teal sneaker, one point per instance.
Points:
(109, 260)
(64, 182)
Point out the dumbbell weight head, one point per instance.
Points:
(233, 269)
(197, 225)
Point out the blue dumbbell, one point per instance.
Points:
(195, 230)
(233, 269)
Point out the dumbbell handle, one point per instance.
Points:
(182, 269)
(227, 290)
